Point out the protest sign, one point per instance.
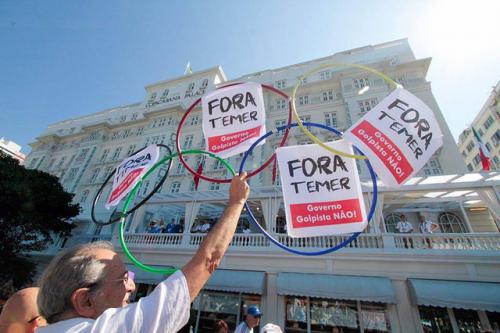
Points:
(399, 135)
(321, 191)
(129, 172)
(233, 118)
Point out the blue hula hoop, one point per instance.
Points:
(271, 238)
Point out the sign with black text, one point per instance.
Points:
(130, 171)
(321, 191)
(233, 119)
(399, 135)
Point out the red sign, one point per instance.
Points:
(317, 214)
(125, 184)
(226, 141)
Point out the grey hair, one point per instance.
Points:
(68, 271)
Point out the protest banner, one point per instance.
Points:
(399, 135)
(129, 172)
(233, 118)
(321, 191)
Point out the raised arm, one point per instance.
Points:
(198, 270)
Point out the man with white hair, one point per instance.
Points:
(87, 288)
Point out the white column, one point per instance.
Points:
(466, 217)
(266, 212)
(271, 305)
(378, 217)
(409, 320)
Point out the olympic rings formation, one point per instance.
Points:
(289, 249)
(142, 202)
(132, 195)
(250, 174)
(325, 66)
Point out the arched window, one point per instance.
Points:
(451, 223)
(390, 222)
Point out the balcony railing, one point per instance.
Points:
(386, 241)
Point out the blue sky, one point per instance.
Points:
(62, 59)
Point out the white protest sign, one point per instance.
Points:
(398, 136)
(233, 119)
(129, 172)
(321, 191)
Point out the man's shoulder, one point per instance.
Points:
(73, 325)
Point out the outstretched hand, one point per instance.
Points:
(239, 190)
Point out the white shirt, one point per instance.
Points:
(404, 226)
(166, 309)
(427, 226)
(243, 328)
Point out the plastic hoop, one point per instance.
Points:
(336, 247)
(324, 66)
(142, 202)
(131, 195)
(250, 174)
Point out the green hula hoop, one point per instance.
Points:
(318, 68)
(132, 194)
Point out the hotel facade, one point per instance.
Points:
(383, 281)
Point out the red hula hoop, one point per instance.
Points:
(251, 174)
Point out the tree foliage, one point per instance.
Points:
(34, 211)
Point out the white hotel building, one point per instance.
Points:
(384, 281)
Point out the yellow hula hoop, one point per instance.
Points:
(316, 69)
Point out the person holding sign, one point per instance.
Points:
(87, 288)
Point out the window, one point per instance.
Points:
(123, 119)
(469, 146)
(487, 124)
(204, 83)
(190, 86)
(180, 168)
(279, 123)
(280, 84)
(114, 136)
(163, 97)
(33, 163)
(170, 121)
(469, 167)
(130, 150)
(391, 221)
(61, 162)
(162, 122)
(488, 146)
(139, 131)
(331, 119)
(192, 186)
(495, 138)
(116, 154)
(94, 175)
(84, 196)
(328, 96)
(127, 133)
(280, 103)
(152, 97)
(72, 173)
(360, 83)
(145, 187)
(477, 160)
(434, 319)
(451, 223)
(367, 104)
(175, 187)
(433, 167)
(194, 120)
(82, 155)
(481, 133)
(214, 187)
(325, 75)
(134, 116)
(218, 165)
(303, 100)
(188, 142)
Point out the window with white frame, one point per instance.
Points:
(195, 120)
(303, 100)
(450, 223)
(164, 95)
(218, 165)
(360, 83)
(127, 133)
(170, 121)
(94, 175)
(72, 173)
(367, 104)
(495, 138)
(123, 118)
(433, 167)
(279, 123)
(204, 83)
(139, 131)
(470, 146)
(130, 150)
(61, 162)
(214, 187)
(331, 119)
(134, 116)
(152, 97)
(114, 136)
(391, 222)
(328, 96)
(33, 163)
(188, 142)
(470, 167)
(83, 154)
(180, 168)
(280, 104)
(116, 154)
(162, 122)
(487, 124)
(192, 186)
(280, 84)
(477, 159)
(84, 196)
(175, 187)
(145, 187)
(325, 75)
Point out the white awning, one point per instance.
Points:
(362, 288)
(483, 296)
(250, 282)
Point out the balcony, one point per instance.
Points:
(365, 242)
